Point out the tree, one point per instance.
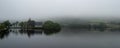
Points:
(2, 27)
(49, 25)
(6, 23)
(21, 24)
(16, 23)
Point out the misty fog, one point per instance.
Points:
(52, 9)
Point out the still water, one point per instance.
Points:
(66, 38)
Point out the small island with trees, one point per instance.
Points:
(30, 25)
(51, 26)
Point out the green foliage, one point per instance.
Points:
(6, 23)
(100, 26)
(2, 26)
(21, 24)
(49, 25)
(57, 26)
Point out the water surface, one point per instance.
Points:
(66, 38)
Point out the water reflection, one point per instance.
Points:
(4, 34)
(29, 33)
(50, 32)
(32, 32)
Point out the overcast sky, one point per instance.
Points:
(44, 9)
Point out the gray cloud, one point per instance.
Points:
(44, 9)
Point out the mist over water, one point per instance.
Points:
(83, 23)
(47, 9)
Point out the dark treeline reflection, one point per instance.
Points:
(30, 33)
(50, 32)
(4, 34)
(33, 32)
(39, 32)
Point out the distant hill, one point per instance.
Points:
(67, 21)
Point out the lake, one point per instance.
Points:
(66, 38)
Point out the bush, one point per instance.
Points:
(5, 25)
(2, 26)
(49, 25)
